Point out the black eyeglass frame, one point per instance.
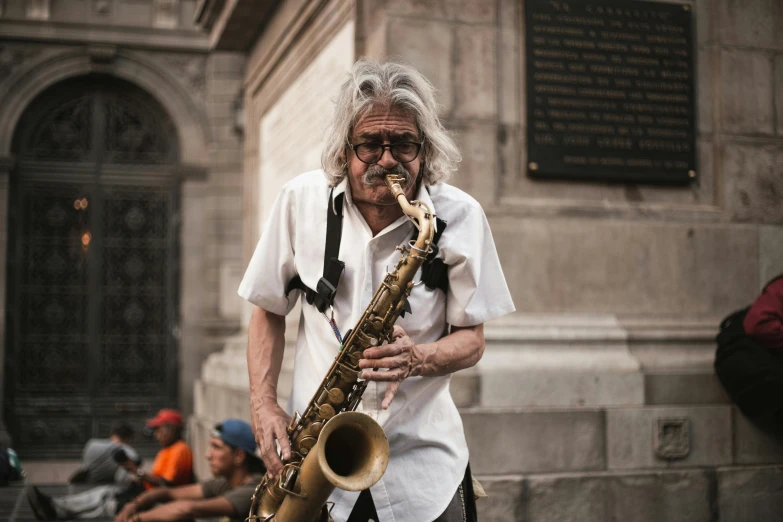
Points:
(390, 146)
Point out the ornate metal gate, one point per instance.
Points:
(93, 266)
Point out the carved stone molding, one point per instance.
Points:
(165, 14)
(128, 37)
(37, 9)
(189, 69)
(143, 69)
(14, 55)
(102, 7)
(207, 11)
(672, 438)
(102, 54)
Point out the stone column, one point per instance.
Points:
(5, 174)
(212, 214)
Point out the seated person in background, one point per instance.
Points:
(232, 459)
(764, 322)
(99, 465)
(173, 466)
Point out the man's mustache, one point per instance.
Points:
(377, 173)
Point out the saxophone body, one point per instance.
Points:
(332, 445)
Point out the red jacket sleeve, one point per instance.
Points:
(764, 321)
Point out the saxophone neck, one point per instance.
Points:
(422, 216)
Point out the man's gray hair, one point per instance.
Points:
(371, 84)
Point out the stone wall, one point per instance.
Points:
(658, 267)
(625, 249)
(292, 129)
(632, 279)
(619, 287)
(164, 14)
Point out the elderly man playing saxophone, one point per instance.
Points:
(385, 121)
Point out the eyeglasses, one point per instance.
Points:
(402, 151)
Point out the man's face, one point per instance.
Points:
(384, 125)
(165, 434)
(221, 457)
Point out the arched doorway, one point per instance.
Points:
(92, 267)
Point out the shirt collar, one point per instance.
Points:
(340, 189)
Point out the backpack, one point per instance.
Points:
(751, 374)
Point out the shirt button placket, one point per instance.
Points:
(369, 271)
(371, 394)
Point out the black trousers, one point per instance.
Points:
(462, 506)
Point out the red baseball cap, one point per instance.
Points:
(165, 416)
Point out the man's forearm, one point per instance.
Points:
(461, 349)
(177, 510)
(152, 497)
(266, 344)
(153, 480)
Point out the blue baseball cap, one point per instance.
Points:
(237, 433)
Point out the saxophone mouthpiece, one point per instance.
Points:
(396, 184)
(396, 178)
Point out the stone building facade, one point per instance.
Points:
(121, 189)
(574, 408)
(619, 287)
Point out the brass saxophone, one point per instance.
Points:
(331, 444)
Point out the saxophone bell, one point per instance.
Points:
(352, 454)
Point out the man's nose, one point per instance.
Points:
(386, 160)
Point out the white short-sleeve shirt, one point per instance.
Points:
(428, 450)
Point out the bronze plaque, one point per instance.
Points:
(610, 91)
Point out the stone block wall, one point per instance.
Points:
(223, 237)
(626, 249)
(293, 128)
(619, 287)
(212, 267)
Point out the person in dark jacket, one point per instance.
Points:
(749, 359)
(764, 322)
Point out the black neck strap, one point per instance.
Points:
(334, 229)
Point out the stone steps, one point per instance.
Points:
(523, 441)
(685, 454)
(553, 440)
(732, 493)
(591, 419)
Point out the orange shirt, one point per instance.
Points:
(175, 464)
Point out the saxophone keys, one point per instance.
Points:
(315, 429)
(326, 411)
(294, 421)
(336, 396)
(306, 444)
